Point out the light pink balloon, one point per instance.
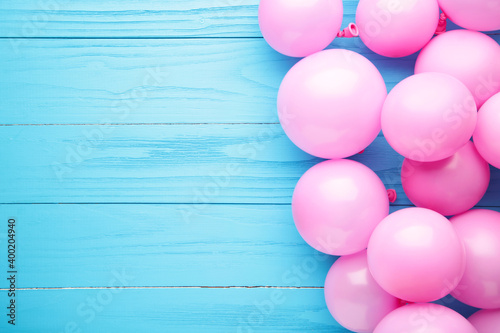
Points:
(487, 133)
(424, 318)
(396, 28)
(482, 15)
(329, 103)
(353, 297)
(298, 28)
(415, 255)
(479, 230)
(486, 321)
(428, 117)
(470, 56)
(450, 186)
(337, 204)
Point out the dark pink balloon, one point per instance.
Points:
(450, 186)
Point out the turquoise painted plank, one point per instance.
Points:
(192, 164)
(152, 81)
(135, 18)
(76, 246)
(160, 245)
(171, 310)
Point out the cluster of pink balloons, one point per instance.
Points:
(334, 103)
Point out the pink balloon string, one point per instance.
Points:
(392, 195)
(351, 31)
(441, 24)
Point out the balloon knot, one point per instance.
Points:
(351, 31)
(441, 24)
(361, 152)
(392, 195)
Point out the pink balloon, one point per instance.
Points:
(298, 28)
(487, 134)
(396, 28)
(424, 318)
(482, 15)
(415, 255)
(337, 204)
(353, 297)
(450, 186)
(471, 57)
(486, 321)
(428, 117)
(329, 103)
(479, 230)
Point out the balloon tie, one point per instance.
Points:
(392, 195)
(351, 31)
(441, 24)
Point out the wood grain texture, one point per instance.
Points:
(152, 81)
(191, 164)
(79, 246)
(135, 18)
(173, 310)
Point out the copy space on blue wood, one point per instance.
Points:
(192, 185)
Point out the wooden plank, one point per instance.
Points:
(152, 81)
(160, 245)
(68, 246)
(135, 18)
(172, 310)
(178, 310)
(192, 164)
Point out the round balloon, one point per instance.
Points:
(337, 204)
(487, 134)
(353, 297)
(479, 230)
(486, 321)
(329, 103)
(450, 186)
(298, 28)
(424, 317)
(414, 254)
(396, 28)
(482, 15)
(428, 117)
(470, 56)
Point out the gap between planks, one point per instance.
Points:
(163, 287)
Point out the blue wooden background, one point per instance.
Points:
(151, 182)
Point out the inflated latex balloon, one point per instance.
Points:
(450, 186)
(337, 204)
(486, 321)
(396, 28)
(424, 318)
(329, 103)
(298, 28)
(479, 230)
(428, 117)
(470, 56)
(482, 15)
(353, 297)
(415, 254)
(487, 133)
